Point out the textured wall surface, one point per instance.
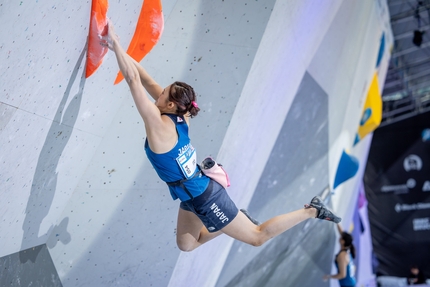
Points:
(280, 84)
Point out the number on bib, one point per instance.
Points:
(188, 162)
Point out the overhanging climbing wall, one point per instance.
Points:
(81, 203)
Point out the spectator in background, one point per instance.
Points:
(416, 276)
(344, 261)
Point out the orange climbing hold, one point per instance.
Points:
(98, 22)
(148, 31)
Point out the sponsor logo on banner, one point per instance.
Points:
(426, 186)
(412, 162)
(410, 207)
(421, 224)
(400, 188)
(425, 134)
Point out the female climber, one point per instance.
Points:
(206, 210)
(344, 260)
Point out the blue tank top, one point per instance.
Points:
(179, 163)
(349, 279)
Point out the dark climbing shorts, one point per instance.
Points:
(214, 207)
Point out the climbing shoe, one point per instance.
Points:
(244, 211)
(322, 211)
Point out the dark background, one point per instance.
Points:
(396, 244)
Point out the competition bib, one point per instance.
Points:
(187, 160)
(352, 268)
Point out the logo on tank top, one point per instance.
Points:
(179, 119)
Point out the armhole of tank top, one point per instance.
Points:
(176, 126)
